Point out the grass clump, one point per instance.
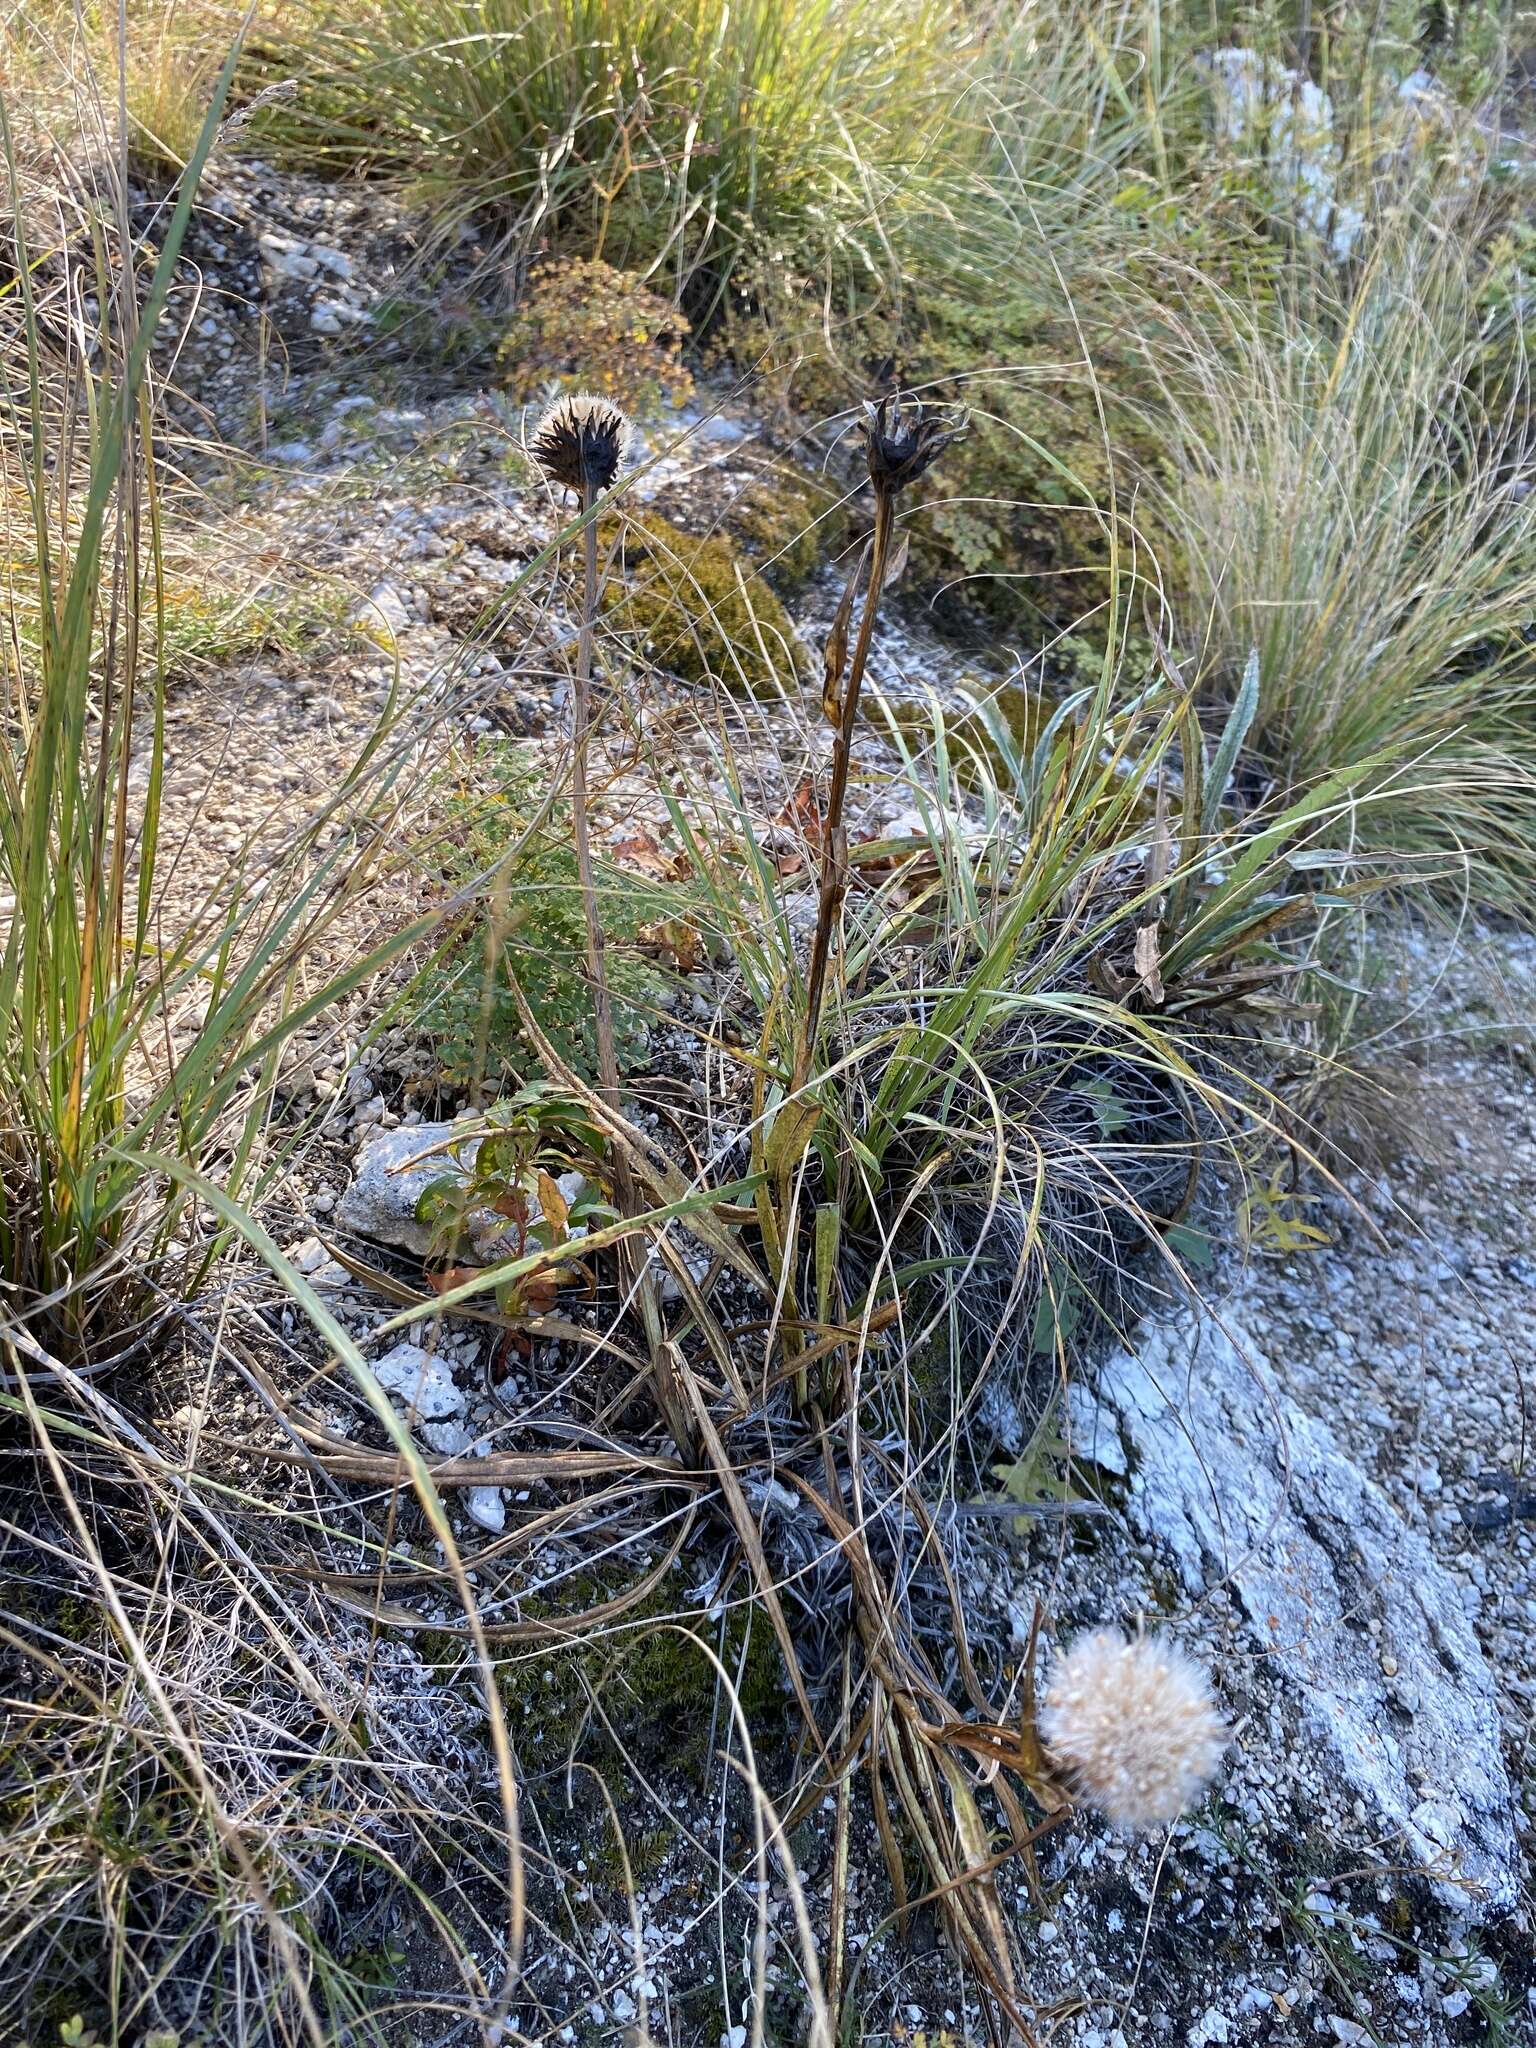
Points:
(87, 986)
(700, 609)
(676, 141)
(173, 59)
(200, 629)
(1354, 506)
(161, 56)
(192, 623)
(151, 1885)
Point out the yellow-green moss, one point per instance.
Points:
(787, 522)
(700, 609)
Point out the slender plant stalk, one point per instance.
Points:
(669, 1393)
(834, 842)
(597, 966)
(901, 441)
(834, 878)
(580, 444)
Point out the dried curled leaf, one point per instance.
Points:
(676, 941)
(1148, 962)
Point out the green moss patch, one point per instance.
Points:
(788, 522)
(529, 939)
(1021, 522)
(701, 610)
(659, 1691)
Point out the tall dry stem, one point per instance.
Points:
(580, 443)
(900, 444)
(581, 737)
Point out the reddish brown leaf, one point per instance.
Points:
(642, 852)
(452, 1276)
(802, 813)
(540, 1292)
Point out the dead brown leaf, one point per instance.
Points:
(1147, 961)
(646, 855)
(676, 941)
(802, 815)
(556, 1210)
(452, 1276)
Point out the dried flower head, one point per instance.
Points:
(903, 438)
(1133, 1727)
(581, 441)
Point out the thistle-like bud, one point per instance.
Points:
(904, 438)
(1133, 1728)
(582, 441)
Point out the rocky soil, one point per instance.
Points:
(1322, 1469)
(1318, 1471)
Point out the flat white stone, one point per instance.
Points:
(486, 1506)
(392, 1176)
(420, 1381)
(381, 1202)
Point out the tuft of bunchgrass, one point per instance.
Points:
(150, 67)
(143, 1014)
(1348, 502)
(123, 1035)
(678, 141)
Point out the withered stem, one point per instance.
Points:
(581, 726)
(633, 1262)
(834, 844)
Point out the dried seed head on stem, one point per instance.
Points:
(902, 439)
(581, 442)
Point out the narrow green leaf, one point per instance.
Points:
(1239, 720)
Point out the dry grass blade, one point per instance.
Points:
(752, 1543)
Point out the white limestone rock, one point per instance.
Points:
(1245, 1488)
(395, 1168)
(421, 1382)
(392, 1174)
(486, 1507)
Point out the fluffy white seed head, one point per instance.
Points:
(582, 440)
(1133, 1728)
